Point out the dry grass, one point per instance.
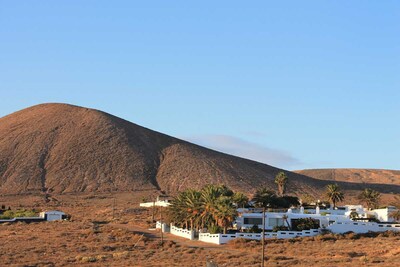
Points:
(94, 238)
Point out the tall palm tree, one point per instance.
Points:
(334, 194)
(209, 197)
(177, 210)
(281, 180)
(370, 197)
(225, 212)
(263, 198)
(194, 205)
(211, 206)
(240, 199)
(186, 208)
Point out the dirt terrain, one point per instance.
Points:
(94, 238)
(60, 148)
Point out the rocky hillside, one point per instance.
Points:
(369, 176)
(62, 148)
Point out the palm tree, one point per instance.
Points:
(225, 212)
(263, 198)
(211, 206)
(209, 197)
(281, 180)
(193, 206)
(334, 194)
(186, 208)
(176, 211)
(370, 197)
(240, 199)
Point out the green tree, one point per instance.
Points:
(264, 198)
(209, 196)
(305, 224)
(210, 207)
(281, 180)
(194, 207)
(225, 212)
(240, 199)
(334, 194)
(370, 197)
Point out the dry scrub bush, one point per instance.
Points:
(121, 255)
(390, 234)
(242, 243)
(170, 244)
(354, 254)
(327, 237)
(85, 259)
(154, 245)
(280, 258)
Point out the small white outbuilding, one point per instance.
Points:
(53, 215)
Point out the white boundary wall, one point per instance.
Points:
(189, 234)
(362, 227)
(225, 238)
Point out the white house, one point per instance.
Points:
(349, 218)
(383, 214)
(53, 215)
(158, 203)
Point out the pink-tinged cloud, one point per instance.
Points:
(245, 149)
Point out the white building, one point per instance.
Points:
(383, 214)
(349, 218)
(157, 203)
(53, 215)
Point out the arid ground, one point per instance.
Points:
(93, 238)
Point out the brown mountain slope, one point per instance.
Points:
(355, 175)
(63, 148)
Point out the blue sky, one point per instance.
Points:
(295, 84)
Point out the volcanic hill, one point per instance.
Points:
(355, 175)
(62, 148)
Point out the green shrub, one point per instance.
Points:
(324, 213)
(280, 228)
(214, 229)
(305, 224)
(254, 229)
(10, 214)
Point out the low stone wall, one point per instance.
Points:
(225, 238)
(164, 227)
(185, 233)
(362, 227)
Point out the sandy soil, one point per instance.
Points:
(94, 238)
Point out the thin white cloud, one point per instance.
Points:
(255, 133)
(245, 149)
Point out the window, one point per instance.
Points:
(253, 221)
(275, 222)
